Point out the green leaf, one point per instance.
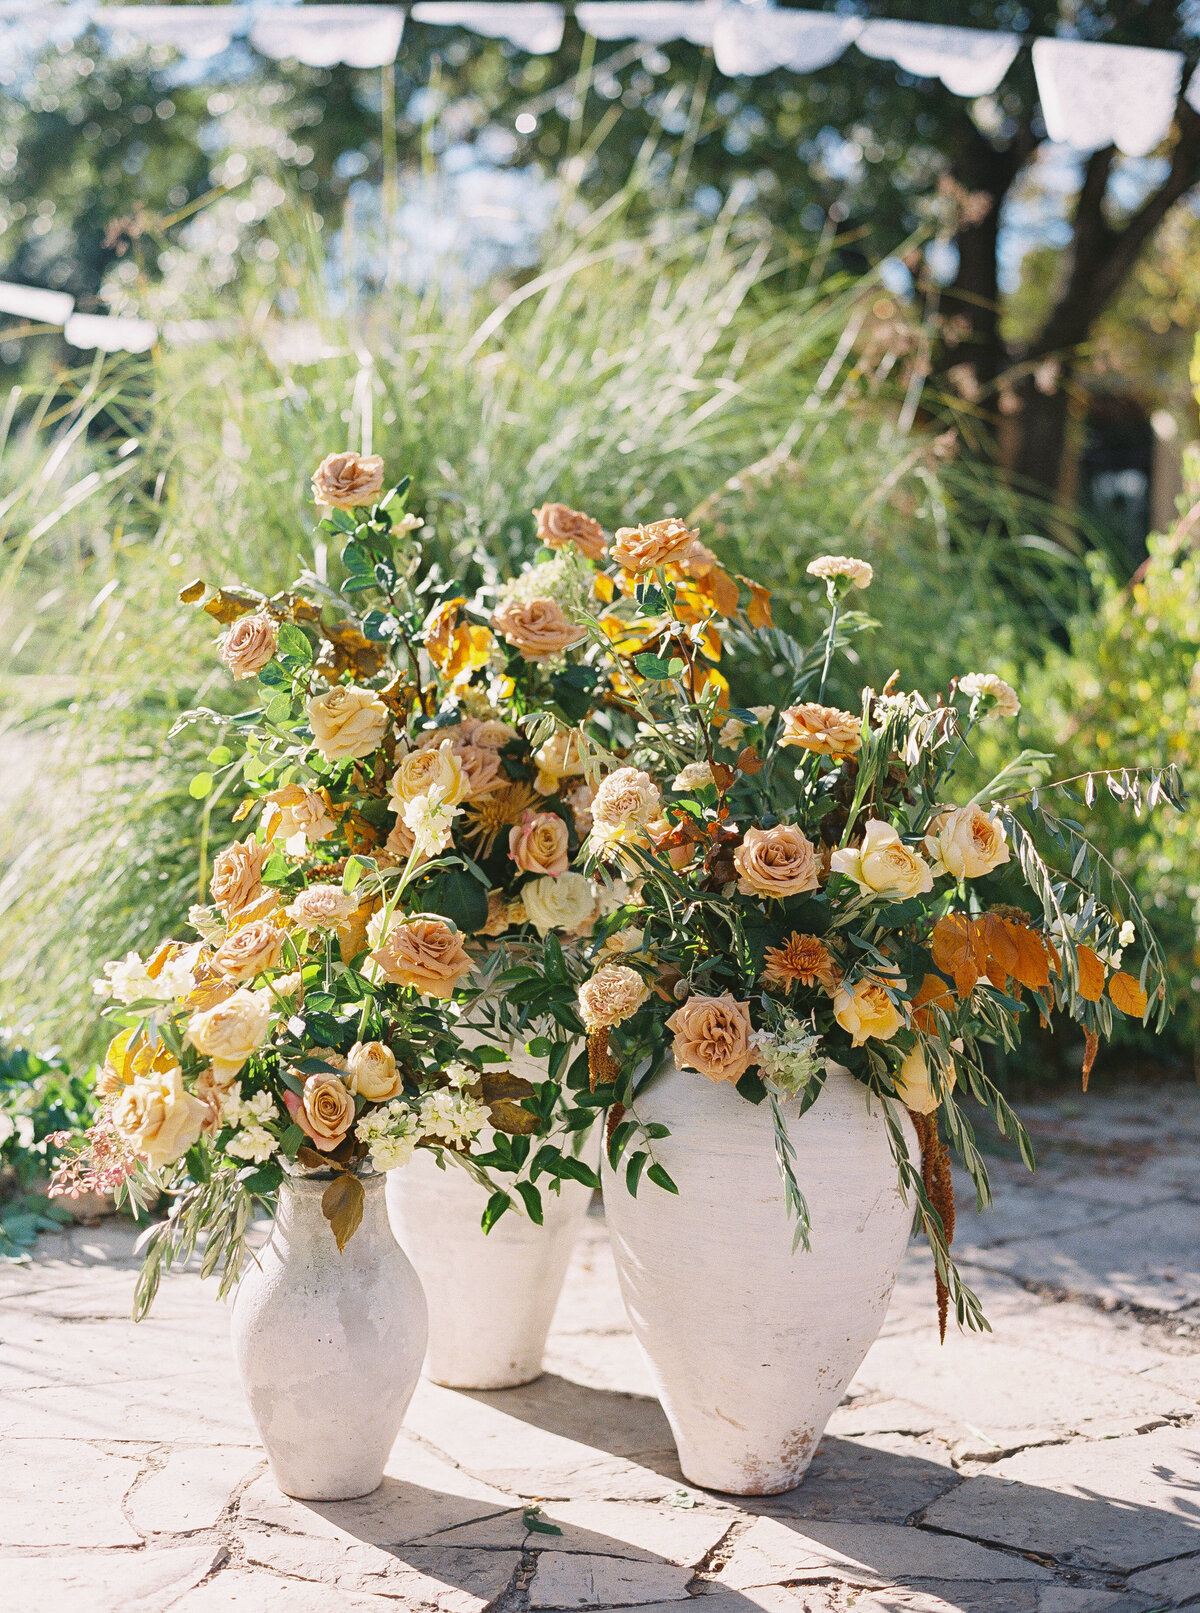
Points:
(659, 1177)
(494, 1209)
(633, 1171)
(533, 1201)
(458, 897)
(279, 707)
(200, 786)
(653, 666)
(352, 875)
(220, 756)
(292, 641)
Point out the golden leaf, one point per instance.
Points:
(955, 952)
(351, 650)
(497, 1084)
(1091, 975)
(227, 604)
(1091, 1046)
(510, 1117)
(758, 612)
(1032, 967)
(245, 808)
(294, 607)
(193, 592)
(606, 588)
(342, 1207)
(1127, 994)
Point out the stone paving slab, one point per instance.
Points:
(1049, 1467)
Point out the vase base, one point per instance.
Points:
(481, 1381)
(352, 1490)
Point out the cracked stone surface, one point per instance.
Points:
(1052, 1466)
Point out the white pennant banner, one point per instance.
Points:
(32, 302)
(324, 36)
(194, 31)
(754, 42)
(110, 333)
(531, 27)
(969, 61)
(655, 22)
(1097, 95)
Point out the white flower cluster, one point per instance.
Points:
(452, 1116)
(250, 1117)
(431, 819)
(390, 1133)
(566, 579)
(790, 1057)
(129, 980)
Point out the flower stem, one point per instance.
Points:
(833, 621)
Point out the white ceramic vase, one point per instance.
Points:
(491, 1295)
(749, 1345)
(329, 1345)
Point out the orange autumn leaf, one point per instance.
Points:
(1091, 1046)
(758, 612)
(1032, 967)
(955, 951)
(455, 647)
(934, 992)
(1091, 975)
(606, 588)
(1000, 949)
(1127, 994)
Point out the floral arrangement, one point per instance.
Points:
(801, 884)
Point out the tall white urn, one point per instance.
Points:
(491, 1295)
(329, 1345)
(749, 1345)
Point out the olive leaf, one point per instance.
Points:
(342, 1207)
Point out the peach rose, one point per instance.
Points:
(348, 481)
(482, 770)
(776, 862)
(823, 729)
(966, 843)
(250, 951)
(326, 1110)
(229, 1032)
(883, 864)
(249, 645)
(538, 844)
(558, 525)
(422, 772)
(323, 907)
(641, 548)
(489, 732)
(625, 802)
(425, 954)
(347, 722)
(611, 995)
(236, 877)
(990, 695)
(293, 810)
(865, 1009)
(712, 1035)
(371, 1071)
(157, 1117)
(538, 628)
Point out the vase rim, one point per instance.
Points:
(313, 1183)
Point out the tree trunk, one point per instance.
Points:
(1041, 438)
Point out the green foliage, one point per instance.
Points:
(38, 1097)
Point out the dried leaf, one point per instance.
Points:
(1091, 978)
(1127, 994)
(497, 1084)
(194, 592)
(934, 990)
(310, 1159)
(1091, 1046)
(294, 607)
(342, 1206)
(227, 604)
(954, 945)
(510, 1117)
(749, 761)
(351, 651)
(758, 612)
(1032, 967)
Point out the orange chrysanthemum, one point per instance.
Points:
(802, 960)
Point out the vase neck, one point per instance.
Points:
(299, 1219)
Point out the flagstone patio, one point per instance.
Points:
(1050, 1467)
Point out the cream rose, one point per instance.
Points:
(611, 995)
(250, 951)
(625, 802)
(229, 1032)
(326, 1110)
(966, 843)
(293, 811)
(347, 481)
(323, 907)
(822, 729)
(422, 772)
(371, 1071)
(538, 628)
(713, 1035)
(249, 645)
(347, 722)
(558, 525)
(776, 862)
(564, 903)
(560, 757)
(236, 877)
(641, 548)
(579, 799)
(693, 777)
(866, 1010)
(157, 1117)
(883, 863)
(914, 1081)
(425, 954)
(538, 844)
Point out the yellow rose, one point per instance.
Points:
(883, 864)
(231, 1031)
(371, 1071)
(914, 1081)
(347, 722)
(157, 1117)
(423, 771)
(560, 757)
(866, 1010)
(966, 843)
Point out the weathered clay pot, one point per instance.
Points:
(491, 1295)
(329, 1345)
(751, 1346)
